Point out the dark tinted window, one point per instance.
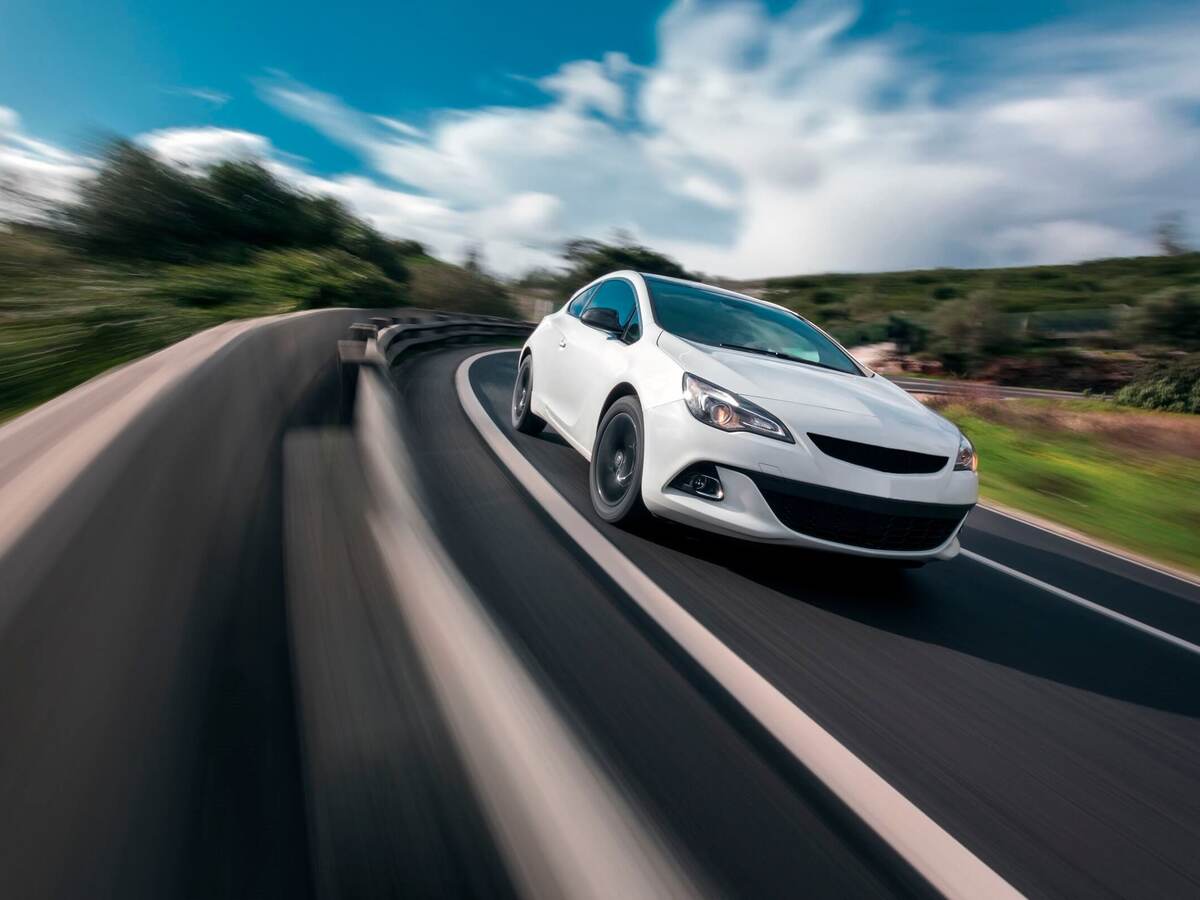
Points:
(722, 320)
(616, 294)
(577, 305)
(633, 330)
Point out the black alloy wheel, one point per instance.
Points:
(616, 469)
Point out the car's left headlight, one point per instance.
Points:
(965, 460)
(727, 411)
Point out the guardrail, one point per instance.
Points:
(563, 826)
(383, 340)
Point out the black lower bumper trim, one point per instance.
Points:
(858, 520)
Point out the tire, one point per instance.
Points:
(615, 473)
(523, 420)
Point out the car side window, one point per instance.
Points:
(616, 294)
(577, 305)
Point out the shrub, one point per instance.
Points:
(909, 335)
(1170, 317)
(284, 279)
(436, 285)
(311, 279)
(969, 330)
(205, 286)
(1172, 387)
(853, 335)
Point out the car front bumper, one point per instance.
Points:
(781, 493)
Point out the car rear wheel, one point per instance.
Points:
(523, 420)
(615, 476)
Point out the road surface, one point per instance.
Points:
(1055, 742)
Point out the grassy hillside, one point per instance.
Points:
(1085, 294)
(66, 316)
(1093, 324)
(1128, 477)
(149, 254)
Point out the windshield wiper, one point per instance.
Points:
(779, 354)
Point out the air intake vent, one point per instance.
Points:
(882, 459)
(858, 520)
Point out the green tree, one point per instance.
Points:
(1169, 318)
(588, 259)
(967, 331)
(138, 207)
(909, 335)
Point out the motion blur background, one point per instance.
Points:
(1023, 176)
(286, 607)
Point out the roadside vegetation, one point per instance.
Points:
(1124, 476)
(1092, 326)
(150, 255)
(1172, 386)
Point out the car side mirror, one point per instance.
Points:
(603, 318)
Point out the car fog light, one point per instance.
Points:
(701, 480)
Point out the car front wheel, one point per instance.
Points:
(615, 475)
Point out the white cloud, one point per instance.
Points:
(401, 127)
(760, 143)
(34, 173)
(763, 144)
(198, 148)
(208, 95)
(1068, 241)
(589, 85)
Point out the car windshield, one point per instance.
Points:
(723, 320)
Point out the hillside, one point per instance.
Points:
(1085, 296)
(1094, 324)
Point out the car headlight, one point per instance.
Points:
(727, 411)
(965, 460)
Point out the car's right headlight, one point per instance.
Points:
(727, 411)
(965, 460)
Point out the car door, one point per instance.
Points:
(596, 360)
(550, 372)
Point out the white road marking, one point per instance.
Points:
(1086, 604)
(561, 823)
(1074, 537)
(945, 863)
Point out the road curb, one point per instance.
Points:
(937, 856)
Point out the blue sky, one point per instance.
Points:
(748, 138)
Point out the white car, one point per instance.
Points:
(741, 417)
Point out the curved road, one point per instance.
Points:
(1056, 741)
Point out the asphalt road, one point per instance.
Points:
(1058, 745)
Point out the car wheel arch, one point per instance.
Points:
(624, 389)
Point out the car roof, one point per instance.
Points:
(713, 287)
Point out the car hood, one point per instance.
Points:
(812, 399)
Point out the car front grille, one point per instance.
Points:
(859, 520)
(883, 459)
